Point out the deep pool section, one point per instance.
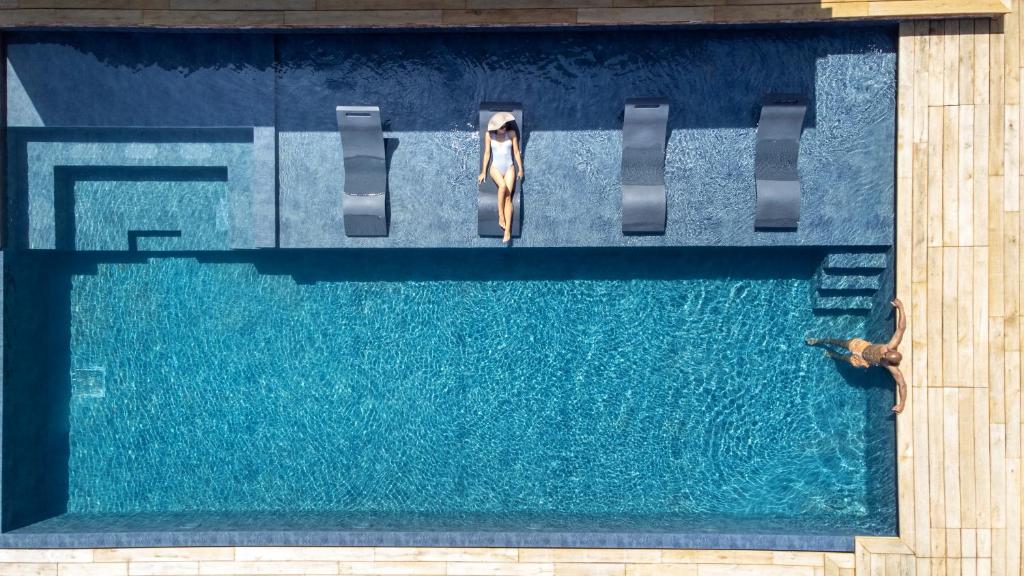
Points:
(657, 390)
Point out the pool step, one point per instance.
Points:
(849, 304)
(875, 261)
(848, 282)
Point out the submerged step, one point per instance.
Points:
(855, 260)
(844, 303)
(833, 281)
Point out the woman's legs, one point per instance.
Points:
(510, 186)
(499, 180)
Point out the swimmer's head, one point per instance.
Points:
(892, 357)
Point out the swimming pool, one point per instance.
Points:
(195, 353)
(540, 390)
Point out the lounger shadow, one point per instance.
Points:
(364, 201)
(644, 129)
(487, 192)
(775, 162)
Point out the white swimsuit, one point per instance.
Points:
(501, 155)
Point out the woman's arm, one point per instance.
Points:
(518, 154)
(487, 158)
(901, 324)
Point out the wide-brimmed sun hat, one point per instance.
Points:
(498, 120)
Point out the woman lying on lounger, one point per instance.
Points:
(500, 143)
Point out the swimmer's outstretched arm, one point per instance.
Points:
(518, 154)
(901, 388)
(487, 158)
(901, 324)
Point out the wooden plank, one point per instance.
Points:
(965, 163)
(997, 450)
(512, 16)
(999, 551)
(921, 80)
(903, 249)
(996, 372)
(936, 471)
(1011, 70)
(1011, 268)
(919, 214)
(965, 316)
(968, 536)
(1013, 516)
(966, 64)
(951, 466)
(659, 15)
(907, 565)
(1011, 158)
(951, 62)
(996, 276)
(884, 545)
(921, 432)
(985, 566)
(950, 354)
(71, 17)
(979, 320)
(1011, 283)
(917, 324)
(621, 556)
(968, 493)
(935, 175)
(212, 18)
(950, 175)
(390, 554)
(924, 566)
(101, 4)
(905, 105)
(952, 543)
(1013, 405)
(936, 63)
(935, 178)
(877, 565)
(934, 324)
(892, 564)
(984, 534)
(981, 176)
(996, 97)
(981, 61)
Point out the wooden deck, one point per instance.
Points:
(958, 263)
(434, 13)
(959, 270)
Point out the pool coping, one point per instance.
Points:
(440, 539)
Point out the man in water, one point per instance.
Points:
(864, 354)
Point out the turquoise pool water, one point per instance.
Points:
(663, 388)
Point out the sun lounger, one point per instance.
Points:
(644, 129)
(364, 202)
(775, 162)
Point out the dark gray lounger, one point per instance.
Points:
(644, 128)
(487, 193)
(778, 146)
(364, 203)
